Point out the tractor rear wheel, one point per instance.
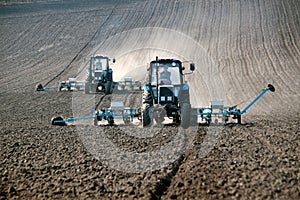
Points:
(185, 115)
(146, 116)
(108, 87)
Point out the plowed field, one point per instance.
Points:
(238, 48)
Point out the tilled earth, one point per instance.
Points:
(253, 160)
(253, 43)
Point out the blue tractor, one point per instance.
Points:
(166, 94)
(100, 76)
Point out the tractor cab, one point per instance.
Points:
(166, 79)
(99, 66)
(169, 73)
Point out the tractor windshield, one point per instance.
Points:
(168, 73)
(100, 64)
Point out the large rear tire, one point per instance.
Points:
(146, 116)
(185, 115)
(108, 87)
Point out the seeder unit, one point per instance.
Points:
(207, 114)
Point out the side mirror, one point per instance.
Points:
(183, 68)
(192, 67)
(114, 60)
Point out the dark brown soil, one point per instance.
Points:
(251, 44)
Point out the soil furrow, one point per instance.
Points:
(245, 44)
